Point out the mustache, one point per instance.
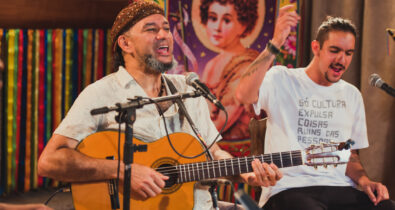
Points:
(338, 65)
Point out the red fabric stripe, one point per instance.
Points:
(41, 94)
(19, 100)
(54, 108)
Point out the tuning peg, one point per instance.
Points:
(349, 143)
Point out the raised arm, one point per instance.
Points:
(61, 161)
(375, 190)
(247, 90)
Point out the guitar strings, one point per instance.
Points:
(220, 164)
(235, 160)
(229, 161)
(185, 169)
(187, 175)
(286, 156)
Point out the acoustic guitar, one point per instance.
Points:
(183, 173)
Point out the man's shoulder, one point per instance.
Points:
(101, 84)
(283, 71)
(344, 85)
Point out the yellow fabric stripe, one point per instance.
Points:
(10, 105)
(35, 108)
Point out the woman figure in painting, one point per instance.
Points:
(227, 22)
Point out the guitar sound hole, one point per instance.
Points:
(173, 176)
(168, 167)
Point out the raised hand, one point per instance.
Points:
(286, 19)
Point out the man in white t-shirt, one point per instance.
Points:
(143, 50)
(313, 105)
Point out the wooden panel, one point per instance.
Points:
(59, 13)
(257, 132)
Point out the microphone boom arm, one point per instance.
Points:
(139, 102)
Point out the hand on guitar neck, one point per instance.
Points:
(267, 177)
(263, 174)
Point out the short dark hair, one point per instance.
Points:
(247, 12)
(334, 24)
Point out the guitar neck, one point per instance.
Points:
(229, 167)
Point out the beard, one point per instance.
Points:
(154, 66)
(329, 80)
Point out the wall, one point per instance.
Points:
(59, 13)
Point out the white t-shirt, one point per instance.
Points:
(148, 127)
(300, 113)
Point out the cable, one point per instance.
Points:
(168, 136)
(62, 189)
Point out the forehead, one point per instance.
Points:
(218, 8)
(344, 40)
(155, 19)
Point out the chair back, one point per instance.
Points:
(257, 133)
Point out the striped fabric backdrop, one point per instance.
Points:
(44, 72)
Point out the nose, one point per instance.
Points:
(162, 34)
(341, 58)
(217, 25)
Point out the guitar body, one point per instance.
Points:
(95, 195)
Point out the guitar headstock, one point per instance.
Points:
(328, 154)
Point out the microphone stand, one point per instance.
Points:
(127, 115)
(213, 194)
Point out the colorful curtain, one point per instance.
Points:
(45, 70)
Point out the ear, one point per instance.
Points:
(315, 47)
(125, 44)
(243, 28)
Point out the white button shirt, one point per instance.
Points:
(148, 127)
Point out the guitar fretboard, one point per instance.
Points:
(228, 167)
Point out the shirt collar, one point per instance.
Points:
(124, 77)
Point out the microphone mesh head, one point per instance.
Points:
(375, 80)
(191, 77)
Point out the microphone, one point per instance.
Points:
(192, 79)
(376, 81)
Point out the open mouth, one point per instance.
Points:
(336, 67)
(163, 50)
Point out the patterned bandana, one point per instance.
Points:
(132, 14)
